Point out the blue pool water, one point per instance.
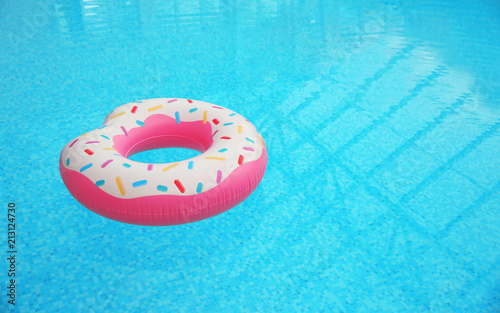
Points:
(382, 192)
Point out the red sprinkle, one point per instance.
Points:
(216, 121)
(89, 152)
(240, 160)
(225, 137)
(190, 101)
(180, 186)
(134, 109)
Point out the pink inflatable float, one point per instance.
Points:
(96, 170)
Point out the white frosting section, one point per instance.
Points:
(136, 180)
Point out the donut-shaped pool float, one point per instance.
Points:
(96, 170)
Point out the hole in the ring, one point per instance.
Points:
(164, 155)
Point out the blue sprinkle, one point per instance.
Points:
(102, 126)
(227, 124)
(67, 162)
(139, 183)
(162, 188)
(105, 137)
(126, 165)
(223, 150)
(177, 118)
(249, 140)
(199, 188)
(193, 110)
(99, 183)
(232, 114)
(140, 123)
(190, 165)
(85, 167)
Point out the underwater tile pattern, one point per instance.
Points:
(381, 119)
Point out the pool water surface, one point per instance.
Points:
(381, 119)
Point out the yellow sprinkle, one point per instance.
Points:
(120, 186)
(215, 158)
(108, 149)
(240, 129)
(154, 108)
(204, 117)
(116, 115)
(262, 141)
(169, 167)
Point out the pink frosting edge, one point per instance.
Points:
(166, 210)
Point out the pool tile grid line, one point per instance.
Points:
(362, 181)
(448, 164)
(359, 91)
(374, 191)
(431, 125)
(483, 198)
(426, 82)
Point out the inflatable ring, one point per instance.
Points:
(96, 170)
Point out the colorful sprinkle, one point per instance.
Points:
(67, 162)
(124, 131)
(223, 150)
(169, 167)
(120, 186)
(112, 117)
(106, 163)
(190, 101)
(139, 123)
(190, 165)
(214, 133)
(216, 107)
(219, 176)
(227, 124)
(134, 109)
(240, 160)
(150, 167)
(262, 141)
(225, 137)
(162, 188)
(139, 183)
(102, 126)
(232, 114)
(179, 186)
(216, 121)
(204, 117)
(126, 165)
(170, 101)
(86, 167)
(109, 149)
(249, 140)
(240, 129)
(154, 108)
(105, 137)
(199, 188)
(89, 152)
(99, 183)
(248, 149)
(215, 158)
(71, 145)
(89, 142)
(193, 110)
(177, 118)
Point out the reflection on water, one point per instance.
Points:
(381, 119)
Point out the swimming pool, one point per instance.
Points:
(382, 126)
